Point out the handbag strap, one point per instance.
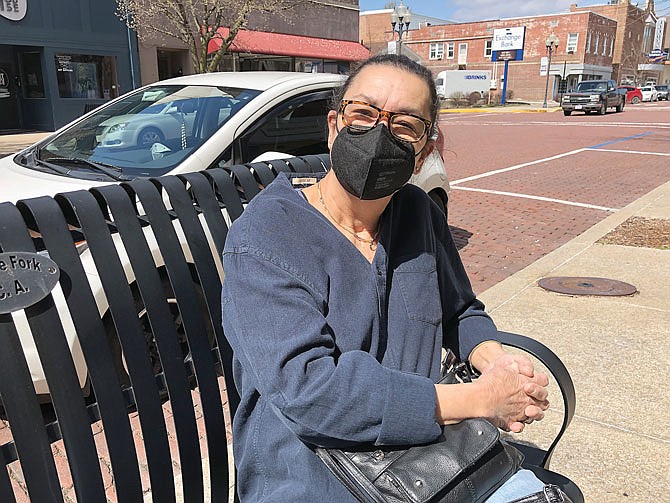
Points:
(347, 473)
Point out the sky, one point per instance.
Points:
(474, 10)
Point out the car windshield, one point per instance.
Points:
(146, 133)
(591, 86)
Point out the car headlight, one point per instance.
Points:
(595, 97)
(118, 127)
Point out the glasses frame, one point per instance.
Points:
(383, 113)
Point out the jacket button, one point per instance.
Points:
(418, 483)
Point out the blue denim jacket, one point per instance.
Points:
(331, 350)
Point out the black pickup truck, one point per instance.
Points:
(594, 96)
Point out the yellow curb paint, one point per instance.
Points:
(497, 110)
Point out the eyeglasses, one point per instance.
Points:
(362, 116)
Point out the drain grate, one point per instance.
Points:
(581, 285)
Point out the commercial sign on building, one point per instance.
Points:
(508, 44)
(14, 10)
(507, 39)
(658, 33)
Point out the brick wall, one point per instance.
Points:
(629, 35)
(524, 77)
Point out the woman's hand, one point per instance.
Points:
(511, 396)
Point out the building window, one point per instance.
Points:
(86, 76)
(488, 48)
(450, 50)
(436, 51)
(595, 49)
(572, 42)
(588, 44)
(605, 46)
(612, 46)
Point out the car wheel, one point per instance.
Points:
(603, 109)
(149, 136)
(439, 199)
(567, 112)
(635, 100)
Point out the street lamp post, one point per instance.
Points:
(551, 43)
(400, 19)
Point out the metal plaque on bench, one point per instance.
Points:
(25, 279)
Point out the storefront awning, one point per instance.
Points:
(280, 44)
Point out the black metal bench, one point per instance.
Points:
(152, 406)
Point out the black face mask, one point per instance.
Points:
(371, 164)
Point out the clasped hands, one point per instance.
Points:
(509, 392)
(515, 392)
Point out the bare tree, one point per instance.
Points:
(196, 22)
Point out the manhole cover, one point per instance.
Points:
(576, 285)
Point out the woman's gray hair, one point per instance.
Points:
(403, 63)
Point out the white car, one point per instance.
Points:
(649, 93)
(187, 124)
(177, 126)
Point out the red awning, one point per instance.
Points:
(280, 44)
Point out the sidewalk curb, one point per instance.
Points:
(497, 110)
(505, 291)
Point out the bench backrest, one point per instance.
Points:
(143, 395)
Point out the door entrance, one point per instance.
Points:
(9, 97)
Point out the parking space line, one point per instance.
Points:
(518, 166)
(620, 140)
(538, 198)
(630, 151)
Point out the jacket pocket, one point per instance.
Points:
(416, 279)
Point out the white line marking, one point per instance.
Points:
(537, 198)
(627, 151)
(657, 125)
(518, 166)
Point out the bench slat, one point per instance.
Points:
(56, 359)
(192, 314)
(131, 336)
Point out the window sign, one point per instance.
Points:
(4, 84)
(14, 10)
(86, 76)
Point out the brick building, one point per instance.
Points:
(585, 50)
(320, 35)
(374, 28)
(636, 27)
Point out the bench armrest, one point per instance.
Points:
(559, 372)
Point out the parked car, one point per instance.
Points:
(649, 93)
(662, 92)
(633, 94)
(594, 96)
(187, 124)
(177, 126)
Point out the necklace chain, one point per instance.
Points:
(371, 242)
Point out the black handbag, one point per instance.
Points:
(468, 462)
